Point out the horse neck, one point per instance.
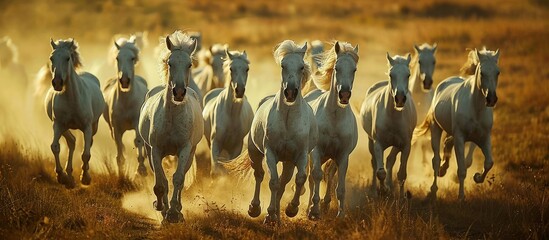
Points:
(333, 98)
(477, 98)
(389, 101)
(229, 100)
(72, 88)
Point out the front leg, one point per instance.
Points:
(160, 188)
(215, 151)
(459, 145)
(381, 174)
(300, 178)
(56, 149)
(120, 160)
(391, 159)
(342, 164)
(139, 145)
(402, 171)
(184, 160)
(274, 185)
(86, 155)
(486, 148)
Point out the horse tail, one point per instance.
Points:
(423, 128)
(240, 167)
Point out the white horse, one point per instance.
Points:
(463, 109)
(10, 68)
(283, 130)
(227, 113)
(389, 118)
(336, 122)
(171, 123)
(125, 95)
(209, 74)
(74, 102)
(317, 48)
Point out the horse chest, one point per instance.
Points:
(73, 119)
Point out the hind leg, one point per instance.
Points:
(138, 142)
(391, 159)
(316, 176)
(120, 160)
(470, 153)
(459, 145)
(71, 140)
(448, 145)
(402, 171)
(86, 155)
(374, 166)
(436, 133)
(254, 210)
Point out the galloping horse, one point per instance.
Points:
(125, 95)
(227, 113)
(171, 123)
(463, 109)
(74, 102)
(389, 118)
(336, 122)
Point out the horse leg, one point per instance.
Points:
(316, 176)
(469, 157)
(436, 134)
(56, 148)
(402, 171)
(300, 178)
(274, 185)
(71, 140)
(215, 151)
(257, 164)
(161, 183)
(342, 164)
(86, 155)
(459, 145)
(447, 154)
(138, 142)
(285, 177)
(184, 160)
(120, 160)
(486, 148)
(374, 179)
(381, 174)
(329, 173)
(391, 159)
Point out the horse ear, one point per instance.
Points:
(192, 48)
(496, 55)
(409, 58)
(435, 47)
(477, 54)
(356, 49)
(416, 48)
(390, 59)
(72, 42)
(337, 47)
(228, 54)
(245, 54)
(52, 43)
(169, 43)
(116, 44)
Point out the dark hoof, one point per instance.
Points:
(381, 174)
(314, 215)
(291, 210)
(173, 216)
(69, 182)
(478, 178)
(271, 219)
(142, 170)
(442, 172)
(158, 206)
(325, 205)
(61, 178)
(254, 211)
(85, 179)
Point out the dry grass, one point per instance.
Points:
(512, 204)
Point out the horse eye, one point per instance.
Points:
(247, 69)
(354, 70)
(302, 68)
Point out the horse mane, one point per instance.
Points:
(124, 43)
(470, 66)
(288, 47)
(227, 64)
(180, 40)
(12, 52)
(323, 77)
(71, 45)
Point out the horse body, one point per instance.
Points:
(227, 113)
(462, 108)
(74, 102)
(125, 95)
(389, 118)
(337, 129)
(171, 123)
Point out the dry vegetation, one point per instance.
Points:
(513, 204)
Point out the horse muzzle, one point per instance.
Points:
(124, 82)
(491, 99)
(344, 97)
(179, 94)
(57, 84)
(239, 92)
(290, 94)
(427, 84)
(400, 99)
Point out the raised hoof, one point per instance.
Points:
(254, 211)
(314, 215)
(381, 174)
(442, 172)
(271, 219)
(69, 182)
(478, 178)
(157, 206)
(291, 210)
(173, 216)
(85, 179)
(142, 170)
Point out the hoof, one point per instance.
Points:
(325, 205)
(340, 214)
(271, 219)
(442, 172)
(158, 206)
(381, 174)
(142, 170)
(314, 215)
(478, 178)
(69, 182)
(254, 211)
(173, 216)
(85, 179)
(291, 210)
(61, 178)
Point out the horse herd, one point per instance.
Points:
(306, 123)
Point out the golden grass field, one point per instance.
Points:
(512, 204)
